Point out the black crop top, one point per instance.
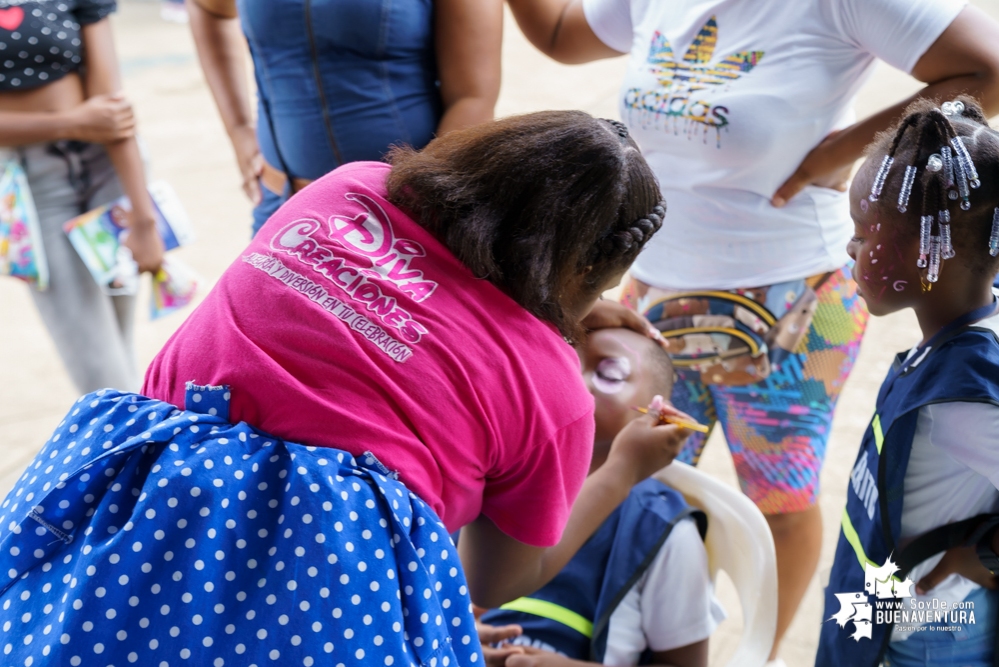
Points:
(40, 39)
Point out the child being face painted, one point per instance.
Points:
(621, 369)
(668, 610)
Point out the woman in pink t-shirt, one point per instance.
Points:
(388, 361)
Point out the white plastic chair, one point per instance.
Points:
(739, 542)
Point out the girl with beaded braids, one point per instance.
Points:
(387, 362)
(924, 491)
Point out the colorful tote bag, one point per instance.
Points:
(22, 254)
(732, 337)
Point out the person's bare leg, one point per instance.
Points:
(798, 541)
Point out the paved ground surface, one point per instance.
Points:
(187, 146)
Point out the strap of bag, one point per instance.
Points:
(823, 280)
(958, 534)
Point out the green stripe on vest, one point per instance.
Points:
(552, 611)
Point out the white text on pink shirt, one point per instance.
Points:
(374, 254)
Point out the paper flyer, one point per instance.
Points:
(174, 287)
(96, 233)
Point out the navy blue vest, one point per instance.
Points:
(571, 613)
(961, 365)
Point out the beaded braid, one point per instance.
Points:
(950, 175)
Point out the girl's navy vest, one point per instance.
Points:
(571, 613)
(959, 365)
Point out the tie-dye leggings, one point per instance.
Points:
(777, 429)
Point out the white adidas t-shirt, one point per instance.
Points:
(726, 98)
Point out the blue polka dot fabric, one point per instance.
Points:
(142, 533)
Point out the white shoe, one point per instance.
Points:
(776, 662)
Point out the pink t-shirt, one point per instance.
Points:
(346, 324)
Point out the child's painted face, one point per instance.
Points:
(885, 261)
(618, 373)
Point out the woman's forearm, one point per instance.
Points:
(468, 40)
(131, 173)
(964, 60)
(103, 78)
(848, 145)
(222, 52)
(466, 112)
(20, 128)
(539, 21)
(558, 28)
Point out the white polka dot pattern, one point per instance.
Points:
(145, 533)
(40, 39)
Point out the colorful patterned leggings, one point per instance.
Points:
(777, 429)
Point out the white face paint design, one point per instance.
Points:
(899, 285)
(610, 374)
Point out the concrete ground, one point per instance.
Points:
(188, 146)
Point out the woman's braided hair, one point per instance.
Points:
(548, 206)
(623, 244)
(949, 153)
(620, 245)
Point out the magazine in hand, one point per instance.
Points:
(21, 252)
(96, 234)
(174, 286)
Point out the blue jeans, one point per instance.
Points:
(973, 646)
(340, 81)
(269, 203)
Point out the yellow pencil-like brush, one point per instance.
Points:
(682, 423)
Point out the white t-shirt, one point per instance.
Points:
(953, 474)
(726, 98)
(671, 605)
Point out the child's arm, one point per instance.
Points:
(101, 119)
(102, 78)
(692, 655)
(500, 568)
(963, 561)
